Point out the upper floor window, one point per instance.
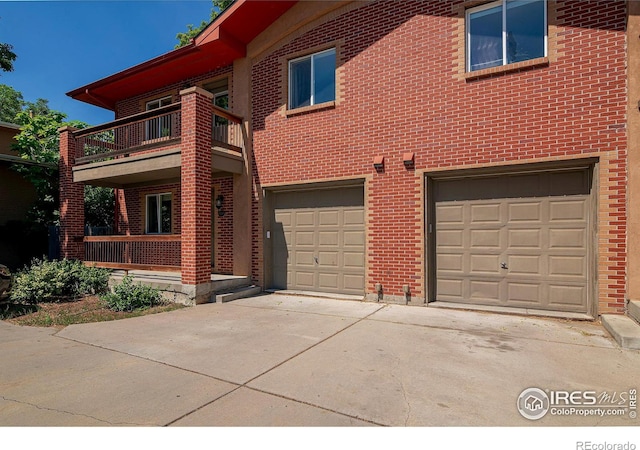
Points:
(158, 126)
(506, 32)
(312, 79)
(221, 100)
(158, 213)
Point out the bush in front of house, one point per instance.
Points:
(52, 281)
(128, 296)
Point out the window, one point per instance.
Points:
(221, 100)
(158, 126)
(312, 79)
(506, 32)
(159, 213)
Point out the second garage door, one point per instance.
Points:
(319, 240)
(514, 240)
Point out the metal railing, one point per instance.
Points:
(144, 252)
(129, 135)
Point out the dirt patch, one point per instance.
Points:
(61, 314)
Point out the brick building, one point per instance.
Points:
(460, 153)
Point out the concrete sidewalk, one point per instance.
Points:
(278, 360)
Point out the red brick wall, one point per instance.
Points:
(71, 200)
(195, 184)
(131, 221)
(136, 104)
(131, 207)
(400, 92)
(224, 227)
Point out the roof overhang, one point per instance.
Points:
(9, 126)
(218, 45)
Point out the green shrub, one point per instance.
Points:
(93, 280)
(50, 281)
(127, 296)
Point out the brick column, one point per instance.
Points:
(196, 187)
(71, 199)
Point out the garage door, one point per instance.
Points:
(319, 241)
(515, 241)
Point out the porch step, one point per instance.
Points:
(634, 310)
(242, 292)
(225, 283)
(624, 330)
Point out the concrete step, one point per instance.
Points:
(634, 310)
(242, 292)
(225, 283)
(624, 330)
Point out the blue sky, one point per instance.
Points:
(62, 45)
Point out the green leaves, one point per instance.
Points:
(11, 103)
(38, 141)
(128, 296)
(99, 206)
(7, 57)
(50, 281)
(217, 7)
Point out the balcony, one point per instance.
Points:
(145, 148)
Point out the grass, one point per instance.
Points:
(84, 310)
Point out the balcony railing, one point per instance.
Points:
(129, 135)
(158, 127)
(227, 131)
(144, 252)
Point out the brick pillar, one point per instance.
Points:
(196, 187)
(71, 200)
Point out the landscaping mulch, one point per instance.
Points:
(60, 314)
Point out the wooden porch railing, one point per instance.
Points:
(144, 252)
(129, 135)
(158, 127)
(227, 130)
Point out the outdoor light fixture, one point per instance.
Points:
(408, 159)
(378, 163)
(219, 201)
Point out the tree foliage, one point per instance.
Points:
(217, 7)
(99, 206)
(7, 57)
(11, 103)
(38, 142)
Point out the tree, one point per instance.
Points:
(38, 142)
(11, 103)
(7, 57)
(40, 107)
(217, 7)
(99, 205)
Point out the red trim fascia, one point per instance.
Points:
(177, 53)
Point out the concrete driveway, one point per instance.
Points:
(278, 360)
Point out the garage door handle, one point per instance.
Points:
(503, 265)
(315, 258)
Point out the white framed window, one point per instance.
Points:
(312, 79)
(505, 32)
(158, 213)
(158, 127)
